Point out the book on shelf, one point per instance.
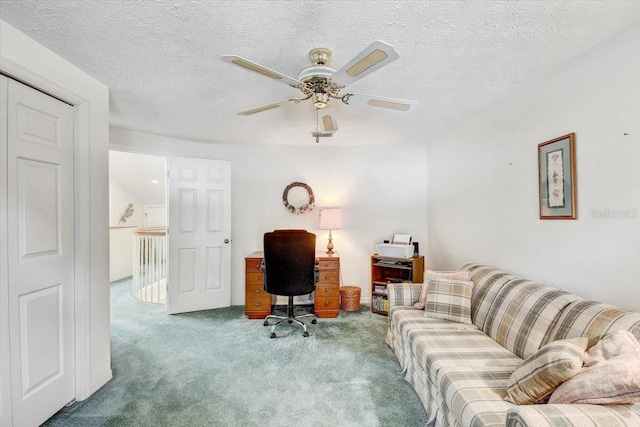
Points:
(380, 288)
(380, 303)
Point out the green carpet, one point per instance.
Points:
(217, 368)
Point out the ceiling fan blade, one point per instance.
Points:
(265, 107)
(376, 56)
(379, 101)
(326, 120)
(257, 68)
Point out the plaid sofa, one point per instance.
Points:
(460, 371)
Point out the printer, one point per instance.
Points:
(400, 247)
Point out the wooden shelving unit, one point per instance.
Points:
(385, 270)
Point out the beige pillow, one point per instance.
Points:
(449, 299)
(456, 275)
(611, 373)
(539, 374)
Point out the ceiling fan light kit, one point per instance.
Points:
(320, 100)
(321, 83)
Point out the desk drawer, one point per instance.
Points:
(255, 290)
(257, 307)
(254, 278)
(327, 290)
(252, 265)
(324, 304)
(328, 277)
(258, 303)
(333, 264)
(327, 300)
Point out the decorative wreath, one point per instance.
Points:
(304, 208)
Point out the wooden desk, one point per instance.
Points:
(258, 303)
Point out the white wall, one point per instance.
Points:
(382, 190)
(121, 234)
(32, 63)
(120, 253)
(119, 198)
(483, 188)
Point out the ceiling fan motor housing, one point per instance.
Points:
(318, 76)
(315, 73)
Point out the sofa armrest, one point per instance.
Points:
(403, 294)
(573, 415)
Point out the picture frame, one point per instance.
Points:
(557, 178)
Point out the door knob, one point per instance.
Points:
(226, 240)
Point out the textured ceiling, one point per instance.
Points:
(160, 59)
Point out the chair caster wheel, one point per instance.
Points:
(305, 334)
(266, 323)
(273, 335)
(290, 321)
(314, 321)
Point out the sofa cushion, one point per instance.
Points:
(469, 371)
(611, 373)
(403, 293)
(488, 282)
(539, 375)
(404, 320)
(449, 299)
(593, 320)
(456, 275)
(573, 415)
(522, 313)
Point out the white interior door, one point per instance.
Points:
(199, 276)
(155, 216)
(5, 368)
(40, 260)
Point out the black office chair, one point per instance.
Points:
(289, 270)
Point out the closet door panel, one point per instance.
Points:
(40, 261)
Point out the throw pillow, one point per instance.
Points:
(611, 373)
(456, 275)
(539, 374)
(449, 299)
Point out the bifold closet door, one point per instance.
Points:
(39, 254)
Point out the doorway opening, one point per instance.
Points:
(138, 223)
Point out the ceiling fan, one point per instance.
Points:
(321, 83)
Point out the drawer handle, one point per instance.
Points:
(257, 304)
(326, 277)
(326, 290)
(257, 291)
(326, 303)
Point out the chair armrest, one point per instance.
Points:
(403, 294)
(573, 415)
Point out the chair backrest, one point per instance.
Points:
(289, 261)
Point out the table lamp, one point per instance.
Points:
(330, 219)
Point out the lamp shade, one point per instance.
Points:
(330, 219)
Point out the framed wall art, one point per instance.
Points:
(557, 178)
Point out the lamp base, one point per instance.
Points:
(330, 245)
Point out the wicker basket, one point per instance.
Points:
(350, 298)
